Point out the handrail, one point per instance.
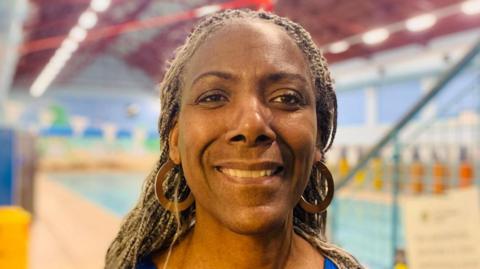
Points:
(442, 81)
(445, 108)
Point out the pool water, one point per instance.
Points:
(365, 229)
(116, 192)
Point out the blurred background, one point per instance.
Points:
(79, 109)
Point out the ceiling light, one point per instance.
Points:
(87, 20)
(420, 23)
(43, 81)
(375, 36)
(99, 5)
(338, 47)
(77, 34)
(69, 45)
(61, 57)
(54, 66)
(62, 54)
(471, 7)
(205, 10)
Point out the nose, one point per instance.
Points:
(251, 125)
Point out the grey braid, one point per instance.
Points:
(149, 227)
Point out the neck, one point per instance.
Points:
(212, 245)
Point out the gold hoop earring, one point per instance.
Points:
(162, 199)
(322, 206)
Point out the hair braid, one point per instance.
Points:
(149, 227)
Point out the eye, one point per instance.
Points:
(212, 98)
(288, 98)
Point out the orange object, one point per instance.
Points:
(465, 170)
(440, 174)
(465, 174)
(417, 174)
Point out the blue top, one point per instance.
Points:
(328, 264)
(147, 263)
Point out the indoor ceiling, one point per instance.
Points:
(144, 33)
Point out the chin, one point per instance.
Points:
(256, 221)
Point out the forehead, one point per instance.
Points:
(244, 46)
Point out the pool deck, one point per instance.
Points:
(68, 232)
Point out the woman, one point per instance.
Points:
(248, 112)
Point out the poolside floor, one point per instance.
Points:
(68, 232)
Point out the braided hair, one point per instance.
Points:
(149, 227)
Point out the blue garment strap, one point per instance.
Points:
(329, 264)
(147, 263)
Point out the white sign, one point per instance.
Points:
(443, 231)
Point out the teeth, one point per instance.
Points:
(247, 173)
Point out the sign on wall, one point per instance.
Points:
(443, 231)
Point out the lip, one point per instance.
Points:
(249, 165)
(259, 172)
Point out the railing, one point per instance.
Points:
(390, 136)
(429, 150)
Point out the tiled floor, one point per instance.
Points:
(68, 232)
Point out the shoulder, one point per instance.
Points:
(337, 256)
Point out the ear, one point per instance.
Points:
(174, 152)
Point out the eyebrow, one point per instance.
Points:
(218, 74)
(278, 76)
(274, 77)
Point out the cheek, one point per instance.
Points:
(194, 139)
(193, 131)
(299, 132)
(190, 136)
(306, 138)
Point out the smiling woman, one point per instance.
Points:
(248, 112)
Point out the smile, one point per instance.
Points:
(248, 173)
(256, 170)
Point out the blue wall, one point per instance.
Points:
(460, 95)
(351, 107)
(395, 99)
(98, 109)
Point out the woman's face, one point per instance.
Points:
(246, 130)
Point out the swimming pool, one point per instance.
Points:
(116, 192)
